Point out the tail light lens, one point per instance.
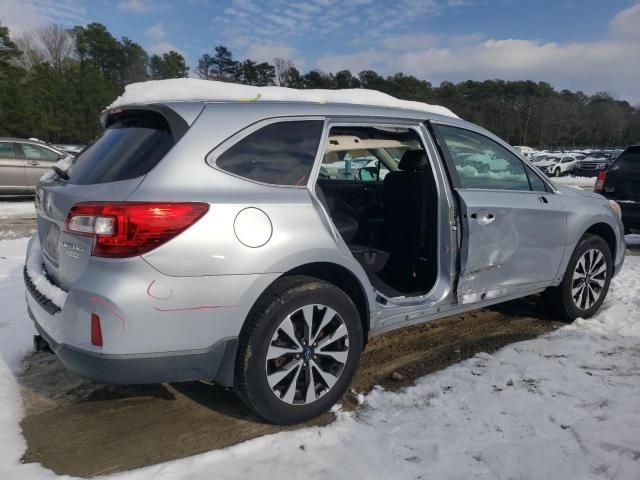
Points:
(127, 229)
(599, 186)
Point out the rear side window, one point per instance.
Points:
(629, 161)
(6, 150)
(130, 147)
(280, 153)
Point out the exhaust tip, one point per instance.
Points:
(40, 344)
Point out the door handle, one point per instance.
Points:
(483, 218)
(33, 162)
(543, 199)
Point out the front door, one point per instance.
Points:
(514, 225)
(12, 173)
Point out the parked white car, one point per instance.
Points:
(558, 165)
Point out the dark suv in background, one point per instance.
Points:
(596, 162)
(621, 182)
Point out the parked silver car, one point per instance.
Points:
(197, 240)
(22, 163)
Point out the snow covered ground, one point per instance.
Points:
(565, 405)
(17, 209)
(577, 181)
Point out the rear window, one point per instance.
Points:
(280, 153)
(629, 161)
(131, 146)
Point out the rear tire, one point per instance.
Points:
(585, 283)
(299, 350)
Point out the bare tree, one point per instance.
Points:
(50, 43)
(31, 51)
(57, 44)
(281, 66)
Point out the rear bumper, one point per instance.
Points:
(155, 328)
(214, 363)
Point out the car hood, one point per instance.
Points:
(545, 163)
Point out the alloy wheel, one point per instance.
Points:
(307, 354)
(589, 278)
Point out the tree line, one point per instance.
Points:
(54, 82)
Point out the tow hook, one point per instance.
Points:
(40, 344)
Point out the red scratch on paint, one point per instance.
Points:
(109, 307)
(153, 296)
(201, 307)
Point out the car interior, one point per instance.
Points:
(378, 187)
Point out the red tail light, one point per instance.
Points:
(599, 186)
(96, 330)
(127, 229)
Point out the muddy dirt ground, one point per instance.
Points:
(74, 426)
(77, 427)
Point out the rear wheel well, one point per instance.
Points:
(605, 232)
(345, 281)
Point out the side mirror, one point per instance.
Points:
(368, 174)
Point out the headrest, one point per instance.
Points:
(413, 160)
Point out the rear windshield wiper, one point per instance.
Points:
(61, 173)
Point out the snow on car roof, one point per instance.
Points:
(192, 89)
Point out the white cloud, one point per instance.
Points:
(248, 5)
(626, 24)
(611, 64)
(137, 6)
(24, 15)
(164, 47)
(156, 32)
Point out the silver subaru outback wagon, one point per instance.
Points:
(259, 244)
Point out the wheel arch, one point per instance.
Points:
(333, 273)
(345, 280)
(606, 232)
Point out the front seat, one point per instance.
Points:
(405, 195)
(346, 225)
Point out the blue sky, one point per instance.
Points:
(592, 45)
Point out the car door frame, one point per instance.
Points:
(397, 312)
(468, 289)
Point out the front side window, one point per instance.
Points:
(537, 185)
(280, 153)
(6, 150)
(483, 163)
(36, 152)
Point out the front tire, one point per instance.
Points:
(586, 280)
(298, 351)
(557, 172)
